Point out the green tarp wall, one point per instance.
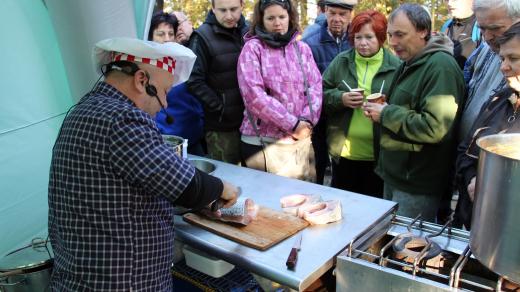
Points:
(46, 67)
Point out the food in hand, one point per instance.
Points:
(323, 212)
(242, 212)
(293, 203)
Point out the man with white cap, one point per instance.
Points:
(113, 180)
(333, 38)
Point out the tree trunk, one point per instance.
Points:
(303, 13)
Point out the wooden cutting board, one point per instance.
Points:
(269, 228)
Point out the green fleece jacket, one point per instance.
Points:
(341, 68)
(417, 134)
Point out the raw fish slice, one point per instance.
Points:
(292, 203)
(311, 207)
(293, 200)
(324, 212)
(242, 212)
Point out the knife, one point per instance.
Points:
(293, 255)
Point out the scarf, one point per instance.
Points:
(275, 40)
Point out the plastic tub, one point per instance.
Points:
(205, 263)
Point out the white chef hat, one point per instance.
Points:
(172, 57)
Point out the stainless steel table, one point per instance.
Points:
(320, 244)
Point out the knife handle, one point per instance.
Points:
(293, 257)
(215, 205)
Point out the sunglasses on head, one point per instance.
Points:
(284, 3)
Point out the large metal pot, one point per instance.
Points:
(27, 269)
(495, 225)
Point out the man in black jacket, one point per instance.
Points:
(217, 44)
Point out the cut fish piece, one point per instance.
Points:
(310, 207)
(293, 200)
(292, 203)
(242, 212)
(323, 212)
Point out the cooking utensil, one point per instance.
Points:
(28, 268)
(293, 255)
(495, 231)
(176, 142)
(269, 228)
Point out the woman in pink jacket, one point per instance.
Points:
(282, 91)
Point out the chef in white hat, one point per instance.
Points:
(113, 181)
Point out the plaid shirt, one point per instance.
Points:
(112, 184)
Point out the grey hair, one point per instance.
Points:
(512, 6)
(418, 15)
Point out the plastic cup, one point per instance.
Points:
(360, 90)
(376, 98)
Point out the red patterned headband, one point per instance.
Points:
(165, 63)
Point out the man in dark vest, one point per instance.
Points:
(217, 44)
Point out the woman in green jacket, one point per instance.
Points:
(352, 138)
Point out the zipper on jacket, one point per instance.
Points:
(408, 165)
(223, 108)
(365, 75)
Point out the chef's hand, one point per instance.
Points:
(352, 99)
(229, 194)
(373, 110)
(471, 188)
(303, 130)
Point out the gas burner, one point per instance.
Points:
(408, 246)
(420, 251)
(412, 255)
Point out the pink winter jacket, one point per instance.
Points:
(272, 86)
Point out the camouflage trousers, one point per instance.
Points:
(224, 146)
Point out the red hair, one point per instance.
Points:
(376, 19)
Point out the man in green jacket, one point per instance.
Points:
(417, 134)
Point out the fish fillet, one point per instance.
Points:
(291, 204)
(323, 212)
